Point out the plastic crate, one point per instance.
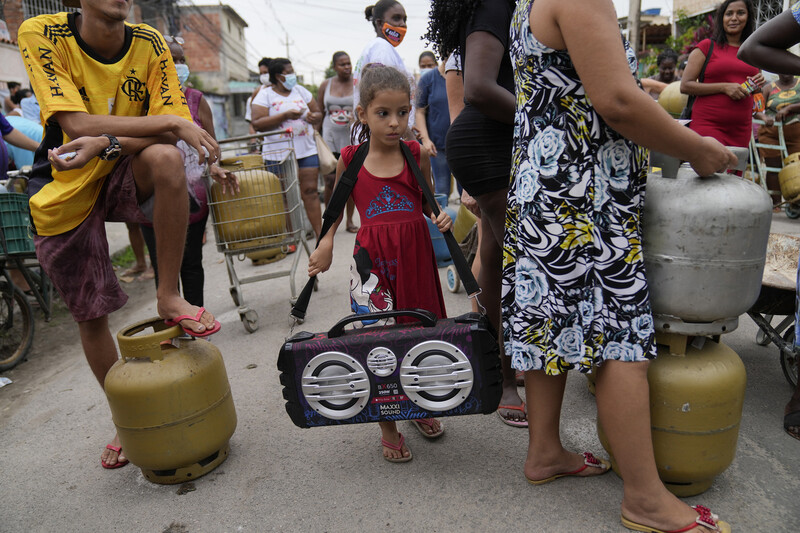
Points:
(15, 219)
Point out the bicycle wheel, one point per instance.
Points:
(16, 326)
(789, 361)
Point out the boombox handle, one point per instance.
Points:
(427, 319)
(334, 210)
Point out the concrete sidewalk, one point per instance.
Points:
(55, 421)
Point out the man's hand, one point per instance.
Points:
(85, 149)
(225, 178)
(197, 138)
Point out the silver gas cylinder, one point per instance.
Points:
(704, 244)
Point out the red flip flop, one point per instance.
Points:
(118, 464)
(510, 422)
(399, 448)
(588, 460)
(177, 322)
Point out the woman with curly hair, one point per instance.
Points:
(479, 141)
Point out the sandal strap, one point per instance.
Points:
(590, 460)
(397, 447)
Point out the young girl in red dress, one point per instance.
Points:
(393, 265)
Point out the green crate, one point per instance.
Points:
(15, 219)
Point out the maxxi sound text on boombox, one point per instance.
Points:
(443, 367)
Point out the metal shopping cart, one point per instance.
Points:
(18, 260)
(266, 216)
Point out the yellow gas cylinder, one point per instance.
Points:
(789, 177)
(672, 100)
(267, 255)
(257, 210)
(171, 403)
(695, 409)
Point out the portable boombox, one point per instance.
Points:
(444, 367)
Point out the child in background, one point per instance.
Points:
(393, 266)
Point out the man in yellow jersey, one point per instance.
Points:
(112, 109)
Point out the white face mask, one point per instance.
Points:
(183, 73)
(264, 79)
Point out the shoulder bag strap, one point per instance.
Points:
(332, 213)
(460, 262)
(700, 78)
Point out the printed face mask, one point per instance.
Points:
(264, 79)
(290, 81)
(183, 72)
(394, 34)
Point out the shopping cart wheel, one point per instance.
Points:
(249, 320)
(762, 339)
(792, 210)
(453, 281)
(789, 361)
(16, 326)
(235, 295)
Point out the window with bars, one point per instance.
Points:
(34, 8)
(767, 9)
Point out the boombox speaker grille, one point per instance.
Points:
(436, 375)
(335, 385)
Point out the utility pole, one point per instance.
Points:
(634, 10)
(286, 42)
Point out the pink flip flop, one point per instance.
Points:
(118, 464)
(397, 447)
(177, 322)
(418, 423)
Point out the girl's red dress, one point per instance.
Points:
(393, 264)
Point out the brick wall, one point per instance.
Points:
(203, 41)
(12, 10)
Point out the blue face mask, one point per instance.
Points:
(290, 81)
(183, 73)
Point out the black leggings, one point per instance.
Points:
(192, 274)
(479, 152)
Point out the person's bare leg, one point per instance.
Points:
(623, 407)
(493, 217)
(546, 455)
(310, 195)
(791, 407)
(389, 433)
(101, 354)
(476, 261)
(158, 171)
(351, 208)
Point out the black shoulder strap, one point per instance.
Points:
(460, 262)
(332, 212)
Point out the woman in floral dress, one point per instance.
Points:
(574, 287)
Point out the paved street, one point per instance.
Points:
(54, 422)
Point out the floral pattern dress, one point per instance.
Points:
(574, 291)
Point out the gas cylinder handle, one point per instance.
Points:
(132, 346)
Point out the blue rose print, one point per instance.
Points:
(643, 326)
(527, 184)
(545, 149)
(531, 283)
(614, 164)
(587, 313)
(524, 357)
(623, 351)
(569, 344)
(600, 194)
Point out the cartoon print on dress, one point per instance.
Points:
(388, 201)
(340, 115)
(367, 294)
